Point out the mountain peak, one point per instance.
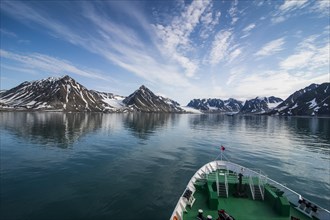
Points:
(66, 78)
(143, 87)
(145, 100)
(261, 98)
(52, 79)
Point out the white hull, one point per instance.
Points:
(292, 196)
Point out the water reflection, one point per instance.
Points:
(212, 120)
(50, 128)
(63, 129)
(314, 125)
(313, 130)
(144, 125)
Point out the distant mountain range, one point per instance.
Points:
(65, 94)
(216, 105)
(260, 105)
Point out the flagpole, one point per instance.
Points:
(222, 148)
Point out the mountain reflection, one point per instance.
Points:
(210, 120)
(314, 125)
(313, 129)
(50, 128)
(64, 129)
(143, 125)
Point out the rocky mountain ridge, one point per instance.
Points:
(145, 100)
(56, 94)
(260, 105)
(65, 94)
(312, 100)
(216, 105)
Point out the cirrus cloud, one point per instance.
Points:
(271, 48)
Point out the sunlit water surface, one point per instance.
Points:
(135, 166)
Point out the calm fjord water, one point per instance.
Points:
(135, 166)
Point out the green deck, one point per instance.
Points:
(273, 207)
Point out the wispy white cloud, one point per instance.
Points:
(249, 27)
(220, 46)
(7, 33)
(278, 19)
(311, 54)
(18, 69)
(247, 30)
(120, 44)
(42, 63)
(298, 60)
(321, 7)
(259, 3)
(175, 37)
(279, 83)
(308, 64)
(311, 58)
(290, 5)
(235, 74)
(11, 34)
(287, 9)
(234, 54)
(233, 11)
(24, 41)
(271, 48)
(30, 16)
(209, 20)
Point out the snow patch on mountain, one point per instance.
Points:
(191, 110)
(260, 105)
(312, 103)
(116, 101)
(312, 100)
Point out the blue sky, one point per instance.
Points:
(178, 49)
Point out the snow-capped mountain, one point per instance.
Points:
(260, 105)
(216, 105)
(233, 105)
(145, 100)
(312, 100)
(65, 94)
(58, 94)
